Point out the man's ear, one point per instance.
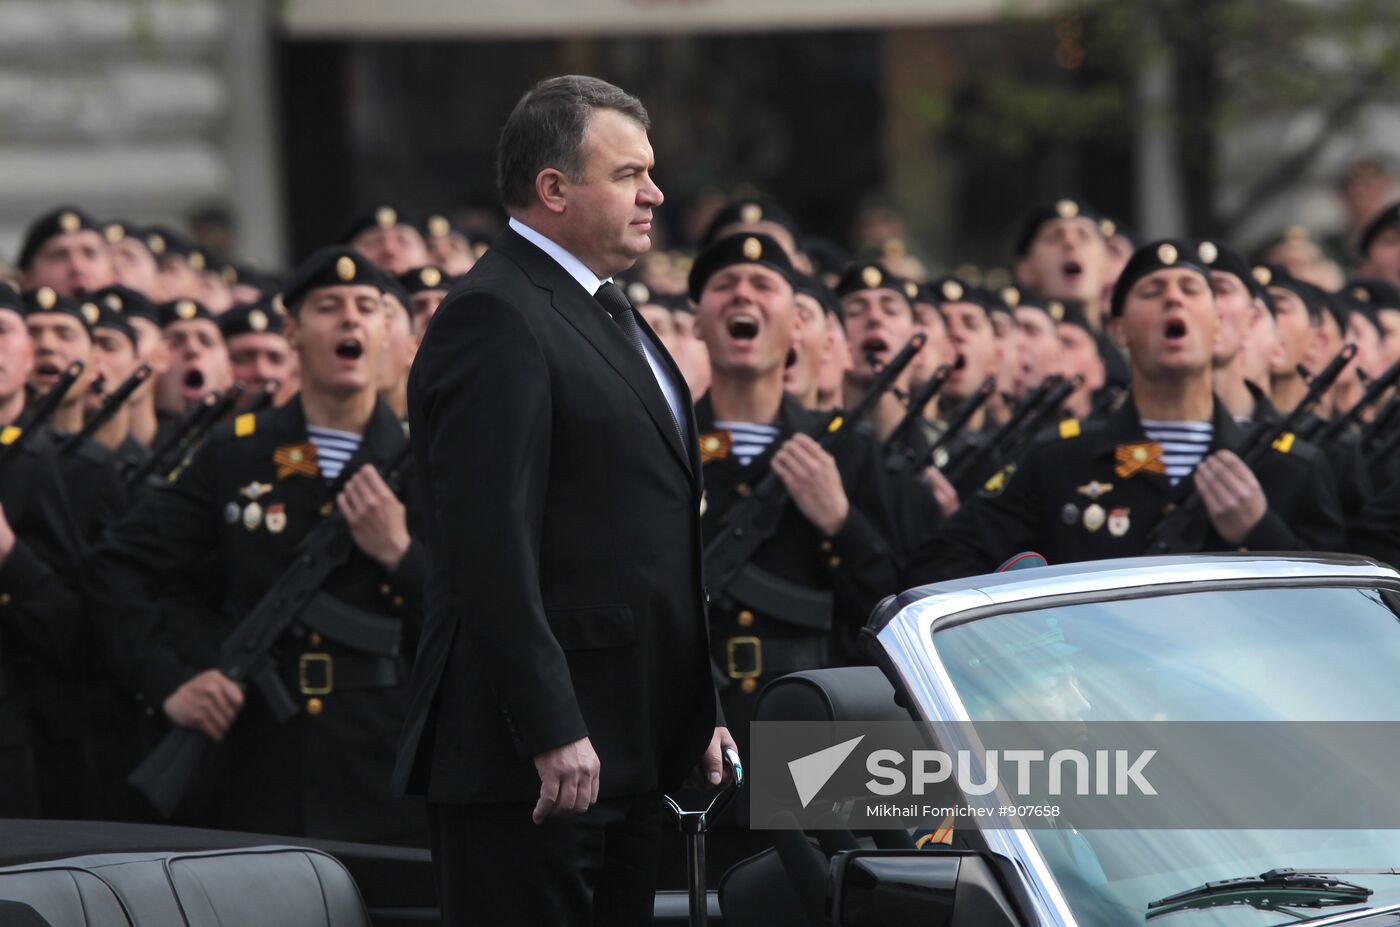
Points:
(552, 190)
(1116, 332)
(291, 331)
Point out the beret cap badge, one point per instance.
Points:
(1108, 228)
(386, 217)
(69, 221)
(638, 294)
(186, 309)
(871, 277)
(1011, 296)
(1067, 209)
(257, 320)
(114, 233)
(91, 313)
(1263, 275)
(156, 243)
(911, 289)
(1166, 253)
(1056, 310)
(952, 290)
(438, 226)
(46, 298)
(751, 212)
(197, 260)
(753, 248)
(430, 276)
(114, 302)
(1208, 252)
(345, 268)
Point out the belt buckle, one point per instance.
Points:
(731, 645)
(315, 659)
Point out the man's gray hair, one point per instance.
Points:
(546, 130)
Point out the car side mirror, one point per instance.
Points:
(915, 888)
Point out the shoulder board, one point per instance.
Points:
(10, 434)
(1284, 443)
(245, 425)
(1070, 428)
(998, 481)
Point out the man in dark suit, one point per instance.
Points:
(563, 680)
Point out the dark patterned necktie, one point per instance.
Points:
(611, 297)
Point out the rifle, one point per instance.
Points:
(264, 399)
(961, 416)
(754, 519)
(918, 401)
(13, 437)
(1168, 536)
(164, 776)
(167, 446)
(1376, 388)
(1025, 422)
(109, 408)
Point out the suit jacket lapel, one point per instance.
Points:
(591, 320)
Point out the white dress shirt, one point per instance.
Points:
(590, 283)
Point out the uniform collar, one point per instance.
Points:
(561, 255)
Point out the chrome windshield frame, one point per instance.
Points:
(907, 640)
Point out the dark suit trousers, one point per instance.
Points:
(494, 866)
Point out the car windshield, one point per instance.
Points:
(1281, 654)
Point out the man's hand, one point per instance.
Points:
(712, 763)
(811, 478)
(1233, 497)
(568, 780)
(943, 492)
(207, 703)
(377, 519)
(7, 537)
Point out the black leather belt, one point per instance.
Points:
(324, 673)
(751, 657)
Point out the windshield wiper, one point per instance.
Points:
(1271, 890)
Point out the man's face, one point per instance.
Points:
(113, 359)
(1169, 322)
(878, 324)
(747, 317)
(1079, 354)
(937, 350)
(397, 249)
(256, 358)
(809, 348)
(692, 357)
(16, 354)
(773, 230)
(339, 333)
(197, 365)
(1367, 339)
(838, 358)
(608, 216)
(975, 350)
(1327, 341)
(1390, 336)
(1039, 354)
(1295, 331)
(399, 345)
(73, 264)
(215, 292)
(59, 340)
(1008, 339)
(424, 305)
(1235, 305)
(135, 267)
(1068, 259)
(1383, 256)
(452, 253)
(1263, 348)
(178, 280)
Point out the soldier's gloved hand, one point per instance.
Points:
(1234, 499)
(811, 478)
(377, 519)
(943, 492)
(568, 780)
(7, 537)
(208, 703)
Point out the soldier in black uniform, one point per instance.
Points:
(41, 613)
(258, 352)
(250, 494)
(144, 421)
(1094, 489)
(832, 540)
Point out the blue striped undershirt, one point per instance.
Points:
(333, 449)
(750, 440)
(1184, 445)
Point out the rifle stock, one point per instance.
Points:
(110, 406)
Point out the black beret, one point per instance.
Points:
(128, 302)
(377, 216)
(330, 266)
(45, 300)
(437, 225)
(1379, 294)
(1216, 255)
(61, 221)
(827, 255)
(183, 310)
(165, 241)
(10, 298)
(952, 289)
(823, 294)
(1313, 299)
(259, 318)
(872, 275)
(241, 272)
(117, 230)
(1388, 217)
(1338, 306)
(1151, 258)
(753, 248)
(1066, 207)
(423, 279)
(1069, 312)
(1111, 227)
(1347, 300)
(748, 211)
(391, 286)
(107, 317)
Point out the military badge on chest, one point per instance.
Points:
(715, 445)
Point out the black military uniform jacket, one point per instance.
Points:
(754, 637)
(1068, 501)
(249, 496)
